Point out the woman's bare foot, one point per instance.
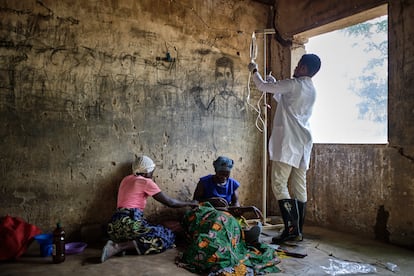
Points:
(110, 249)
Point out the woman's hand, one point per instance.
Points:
(193, 203)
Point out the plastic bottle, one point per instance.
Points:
(58, 253)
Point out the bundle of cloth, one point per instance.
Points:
(15, 236)
(216, 245)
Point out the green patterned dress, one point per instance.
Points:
(216, 243)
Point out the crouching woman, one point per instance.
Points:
(128, 229)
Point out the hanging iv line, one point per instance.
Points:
(262, 118)
(257, 109)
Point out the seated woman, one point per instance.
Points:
(220, 190)
(220, 186)
(128, 229)
(216, 245)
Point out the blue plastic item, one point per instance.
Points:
(46, 244)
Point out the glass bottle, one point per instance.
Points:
(58, 254)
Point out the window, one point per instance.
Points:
(352, 85)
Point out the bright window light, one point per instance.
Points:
(352, 85)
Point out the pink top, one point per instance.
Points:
(134, 190)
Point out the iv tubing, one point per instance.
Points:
(253, 54)
(263, 120)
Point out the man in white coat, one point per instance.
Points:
(290, 143)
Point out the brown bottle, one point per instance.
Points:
(58, 254)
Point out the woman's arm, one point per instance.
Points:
(235, 199)
(172, 202)
(199, 192)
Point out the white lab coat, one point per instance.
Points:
(291, 138)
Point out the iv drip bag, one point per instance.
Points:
(253, 48)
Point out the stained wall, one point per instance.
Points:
(86, 85)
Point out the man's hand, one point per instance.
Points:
(252, 66)
(270, 78)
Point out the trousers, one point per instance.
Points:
(282, 174)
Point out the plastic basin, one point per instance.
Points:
(75, 247)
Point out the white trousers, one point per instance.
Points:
(282, 174)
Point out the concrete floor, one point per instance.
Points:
(320, 245)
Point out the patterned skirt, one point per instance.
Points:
(216, 244)
(129, 224)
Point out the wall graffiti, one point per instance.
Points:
(222, 111)
(221, 99)
(48, 68)
(84, 85)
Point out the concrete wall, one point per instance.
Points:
(85, 85)
(365, 189)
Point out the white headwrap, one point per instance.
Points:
(143, 164)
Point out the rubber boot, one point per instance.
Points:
(302, 212)
(290, 216)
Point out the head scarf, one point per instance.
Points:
(223, 163)
(143, 164)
